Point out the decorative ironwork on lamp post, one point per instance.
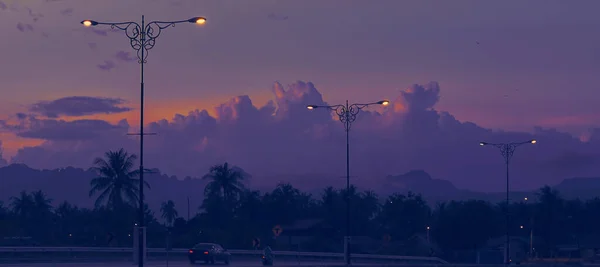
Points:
(142, 38)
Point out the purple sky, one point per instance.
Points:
(69, 93)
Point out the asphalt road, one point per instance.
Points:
(170, 264)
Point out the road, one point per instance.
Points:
(171, 264)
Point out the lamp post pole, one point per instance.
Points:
(507, 150)
(347, 115)
(142, 38)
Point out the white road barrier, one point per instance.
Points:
(393, 258)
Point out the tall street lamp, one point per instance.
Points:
(142, 38)
(347, 115)
(507, 150)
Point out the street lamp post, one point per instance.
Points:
(531, 223)
(347, 115)
(507, 150)
(142, 38)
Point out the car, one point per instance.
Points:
(209, 253)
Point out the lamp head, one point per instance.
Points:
(88, 23)
(197, 20)
(383, 102)
(482, 143)
(311, 107)
(533, 141)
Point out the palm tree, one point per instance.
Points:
(224, 182)
(65, 210)
(169, 213)
(42, 203)
(117, 182)
(3, 210)
(22, 205)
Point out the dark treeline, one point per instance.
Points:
(234, 215)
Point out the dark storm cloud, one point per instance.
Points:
(79, 106)
(61, 130)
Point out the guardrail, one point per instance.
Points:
(296, 254)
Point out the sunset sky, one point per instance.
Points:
(502, 65)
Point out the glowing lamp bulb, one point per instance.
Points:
(87, 23)
(200, 21)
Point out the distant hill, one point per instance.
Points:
(434, 190)
(73, 185)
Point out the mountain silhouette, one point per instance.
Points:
(73, 185)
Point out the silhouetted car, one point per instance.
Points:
(209, 253)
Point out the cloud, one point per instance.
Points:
(29, 126)
(95, 30)
(67, 12)
(283, 140)
(34, 16)
(273, 16)
(3, 161)
(125, 56)
(3, 6)
(107, 65)
(23, 27)
(100, 32)
(79, 106)
(92, 45)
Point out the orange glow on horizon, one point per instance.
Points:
(11, 144)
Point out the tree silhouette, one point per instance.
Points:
(169, 213)
(413, 219)
(551, 210)
(117, 181)
(224, 182)
(23, 205)
(458, 229)
(41, 203)
(461, 225)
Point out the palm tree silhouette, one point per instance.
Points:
(117, 182)
(22, 205)
(169, 213)
(224, 182)
(65, 210)
(42, 204)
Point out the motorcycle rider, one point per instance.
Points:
(268, 256)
